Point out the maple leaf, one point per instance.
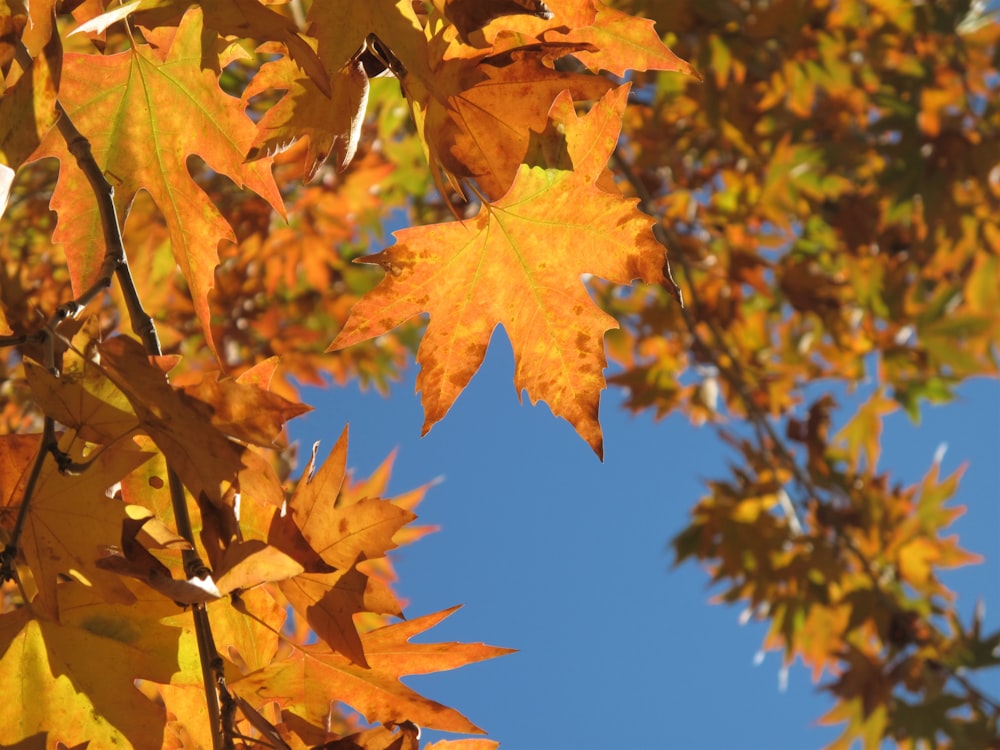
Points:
(518, 262)
(75, 683)
(581, 143)
(330, 601)
(243, 411)
(864, 431)
(617, 42)
(82, 397)
(468, 122)
(206, 460)
(70, 517)
(470, 15)
(461, 100)
(27, 112)
(145, 111)
(468, 744)
(244, 19)
(250, 642)
(379, 738)
(329, 541)
(341, 28)
(16, 453)
(330, 122)
(376, 484)
(339, 534)
(251, 563)
(312, 676)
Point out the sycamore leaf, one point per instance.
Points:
(518, 262)
(341, 28)
(252, 562)
(468, 122)
(339, 535)
(246, 628)
(267, 730)
(141, 532)
(245, 412)
(244, 19)
(261, 374)
(531, 20)
(82, 397)
(75, 682)
(331, 122)
(581, 143)
(863, 432)
(100, 23)
(146, 568)
(329, 540)
(27, 112)
(206, 460)
(618, 43)
(71, 518)
(41, 16)
(145, 111)
(405, 737)
(469, 15)
(376, 484)
(16, 453)
(461, 101)
(313, 676)
(329, 602)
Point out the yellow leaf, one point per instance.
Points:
(518, 262)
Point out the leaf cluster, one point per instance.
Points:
(828, 189)
(829, 195)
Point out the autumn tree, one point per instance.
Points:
(829, 195)
(185, 188)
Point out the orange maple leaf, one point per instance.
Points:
(617, 42)
(245, 411)
(330, 122)
(308, 680)
(469, 123)
(342, 26)
(145, 112)
(244, 19)
(329, 539)
(518, 262)
(82, 397)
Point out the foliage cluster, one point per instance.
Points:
(827, 188)
(829, 196)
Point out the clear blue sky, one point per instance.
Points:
(566, 559)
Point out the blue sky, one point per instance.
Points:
(566, 559)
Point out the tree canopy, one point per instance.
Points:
(764, 201)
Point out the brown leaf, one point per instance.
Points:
(251, 563)
(206, 460)
(244, 411)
